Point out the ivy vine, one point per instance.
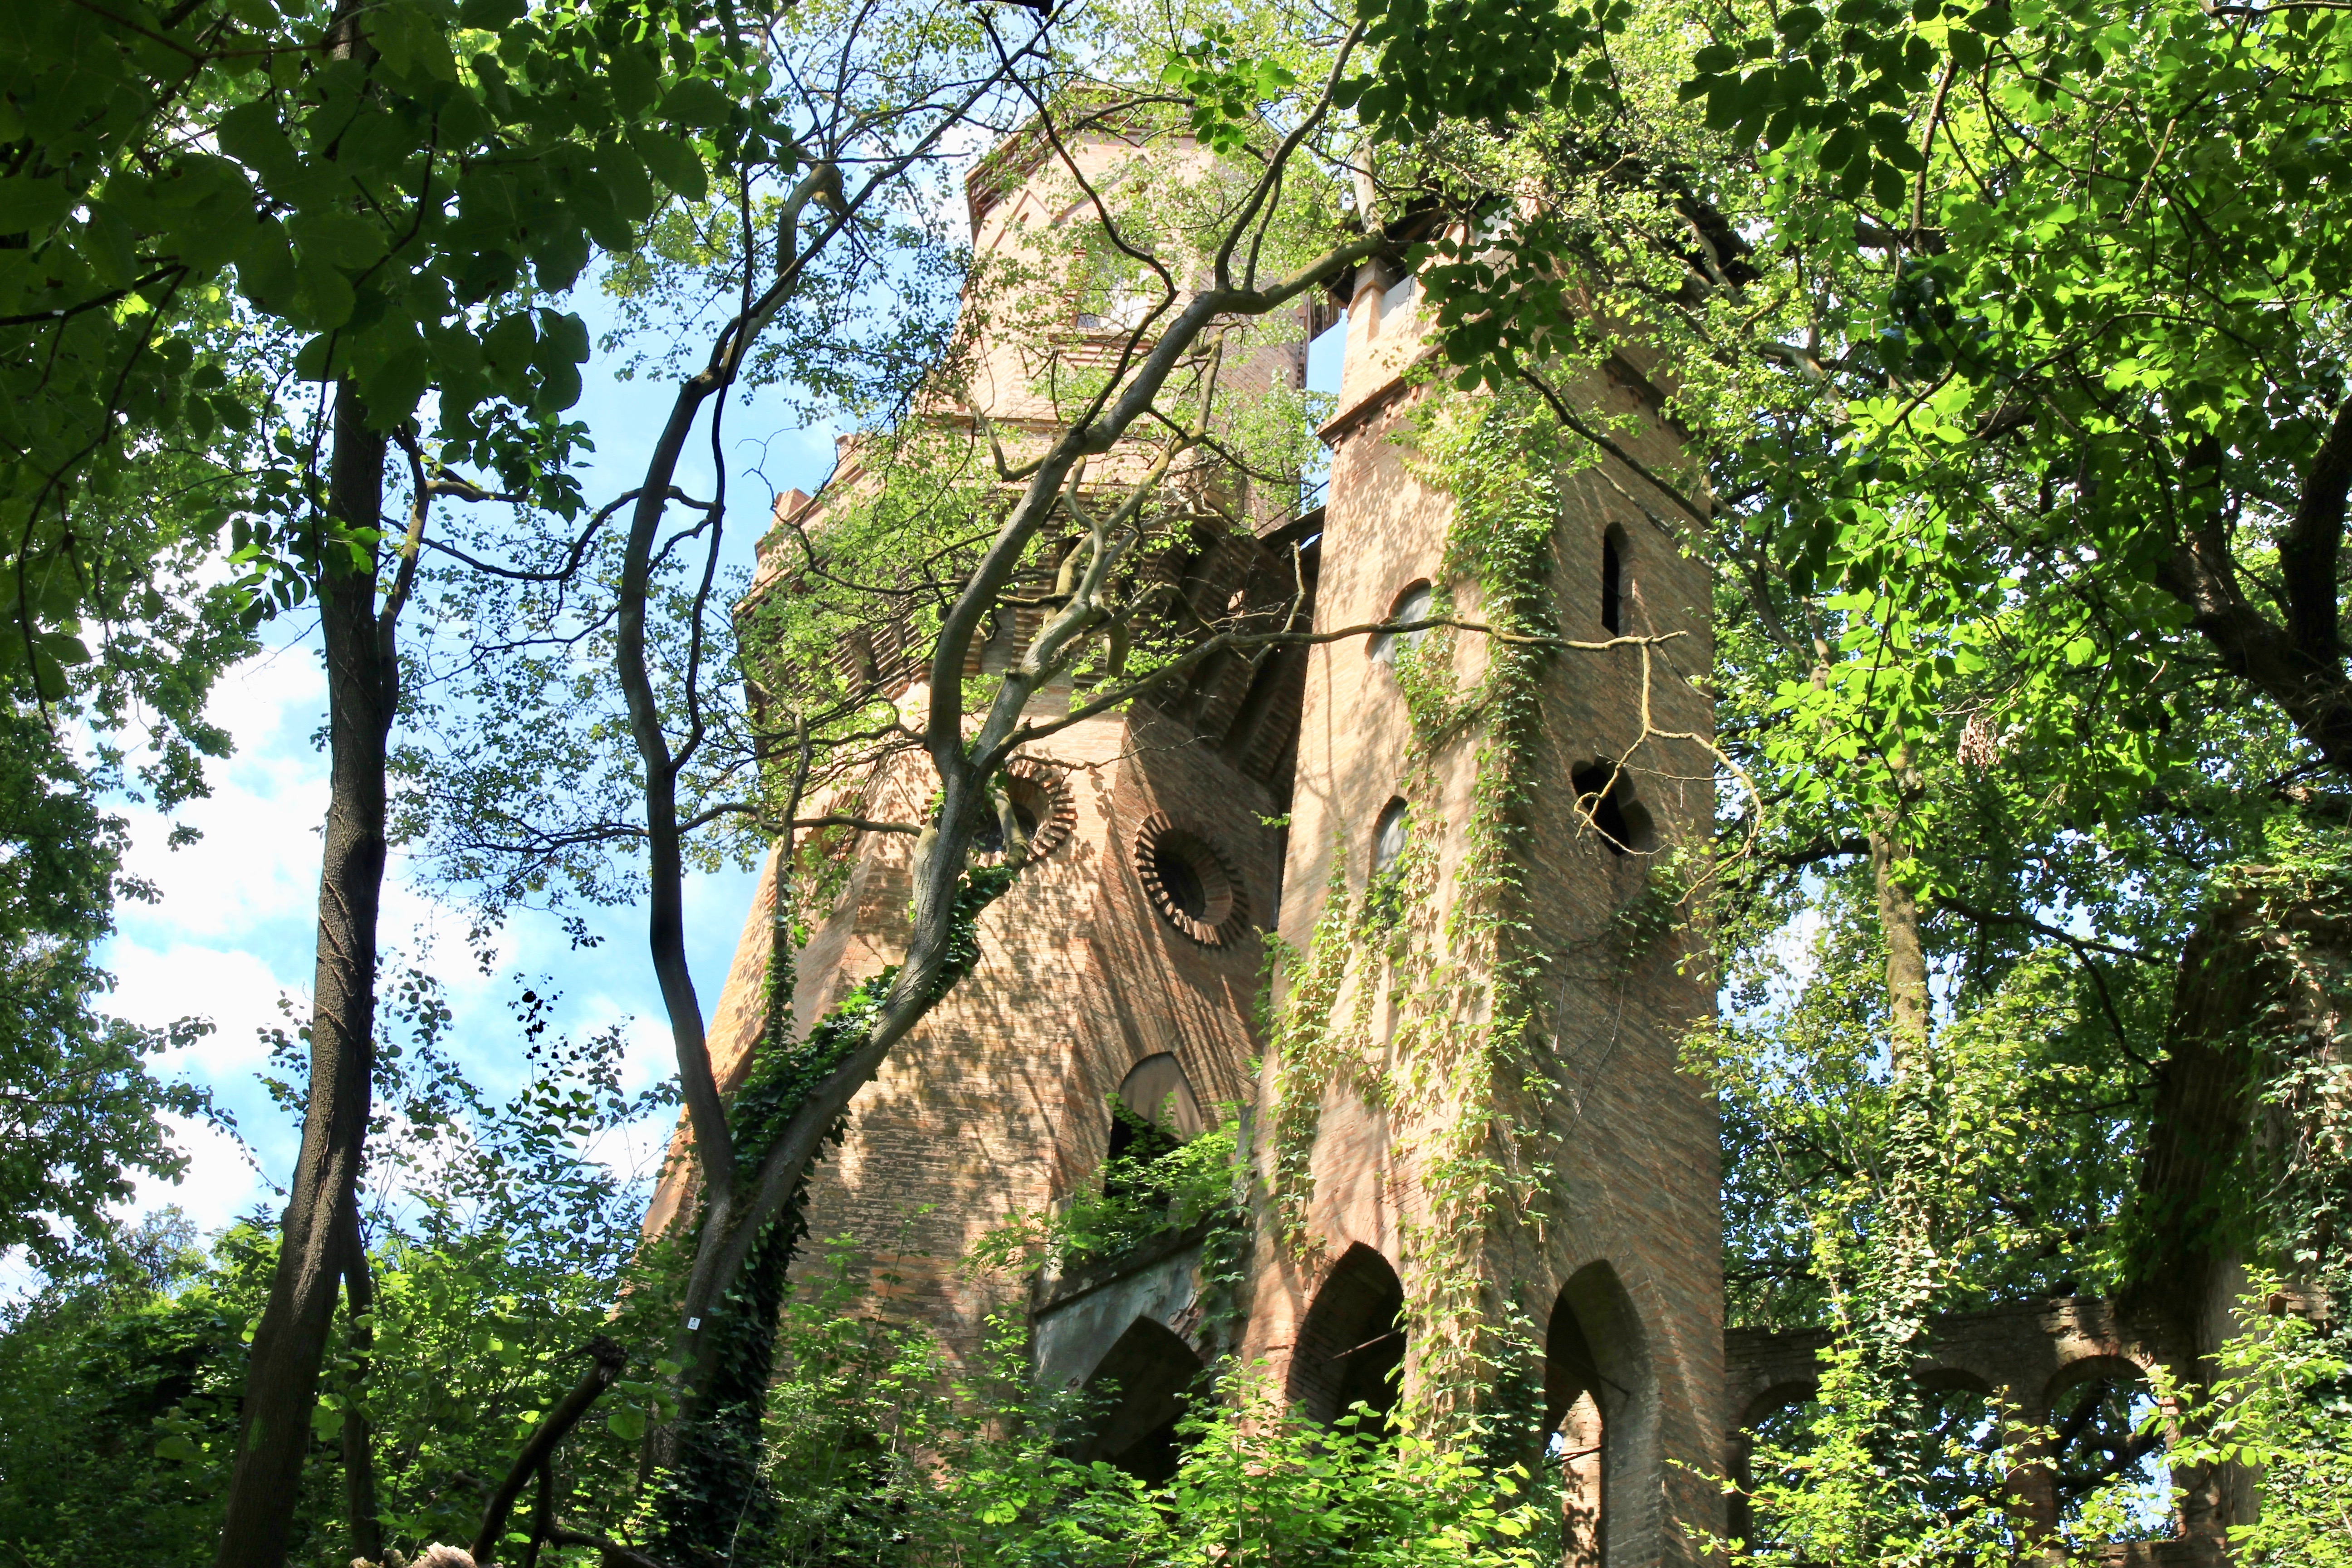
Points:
(714, 1487)
(1463, 987)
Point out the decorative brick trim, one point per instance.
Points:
(1046, 793)
(1060, 817)
(1223, 884)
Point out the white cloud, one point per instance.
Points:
(259, 857)
(233, 988)
(219, 1185)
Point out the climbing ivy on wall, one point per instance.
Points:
(714, 1490)
(1463, 987)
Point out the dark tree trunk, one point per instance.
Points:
(291, 1342)
(358, 1437)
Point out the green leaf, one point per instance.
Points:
(562, 338)
(508, 345)
(322, 295)
(29, 205)
(251, 134)
(634, 75)
(1887, 185)
(64, 647)
(627, 1422)
(265, 269)
(673, 161)
(342, 238)
(622, 173)
(697, 101)
(1799, 24)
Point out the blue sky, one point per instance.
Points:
(234, 930)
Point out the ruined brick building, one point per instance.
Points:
(1128, 961)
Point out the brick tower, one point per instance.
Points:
(1127, 959)
(1615, 1271)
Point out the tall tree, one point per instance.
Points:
(402, 208)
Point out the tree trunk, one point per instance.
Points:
(1906, 960)
(1909, 1261)
(359, 1451)
(289, 1345)
(1893, 1301)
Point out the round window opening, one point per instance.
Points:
(990, 840)
(1192, 882)
(1180, 881)
(1042, 809)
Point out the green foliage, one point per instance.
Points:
(1481, 60)
(1225, 87)
(78, 1105)
(499, 1244)
(126, 1365)
(1157, 1187)
(400, 185)
(875, 1454)
(2282, 1402)
(2038, 1123)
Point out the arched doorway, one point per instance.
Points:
(1351, 1348)
(1600, 1421)
(1768, 1418)
(2101, 1443)
(1144, 1381)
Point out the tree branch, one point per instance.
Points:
(2307, 554)
(608, 1362)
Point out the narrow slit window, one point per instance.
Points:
(1613, 583)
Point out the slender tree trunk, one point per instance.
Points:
(1895, 1301)
(1910, 1264)
(1906, 960)
(359, 1439)
(291, 1342)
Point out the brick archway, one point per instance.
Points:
(1350, 1347)
(1602, 1421)
(1148, 1375)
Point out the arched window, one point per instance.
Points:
(1605, 796)
(1143, 1383)
(1389, 834)
(1411, 603)
(1600, 1421)
(1776, 1418)
(1157, 1090)
(2097, 1411)
(1351, 1348)
(1612, 580)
